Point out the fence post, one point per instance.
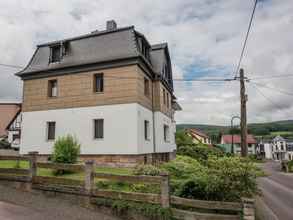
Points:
(165, 190)
(89, 176)
(33, 164)
(248, 209)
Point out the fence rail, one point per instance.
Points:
(87, 187)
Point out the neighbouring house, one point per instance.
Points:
(228, 139)
(14, 130)
(264, 149)
(198, 136)
(111, 89)
(279, 148)
(8, 109)
(289, 150)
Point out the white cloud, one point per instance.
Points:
(201, 34)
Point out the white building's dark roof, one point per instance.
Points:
(118, 45)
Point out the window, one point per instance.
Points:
(146, 87)
(164, 96)
(55, 54)
(99, 128)
(51, 130)
(167, 99)
(146, 130)
(99, 82)
(166, 133)
(52, 88)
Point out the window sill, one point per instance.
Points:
(50, 140)
(52, 97)
(98, 139)
(98, 92)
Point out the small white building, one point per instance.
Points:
(279, 148)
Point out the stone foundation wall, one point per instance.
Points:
(122, 160)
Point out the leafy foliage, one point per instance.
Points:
(66, 150)
(200, 152)
(122, 207)
(149, 170)
(220, 178)
(182, 139)
(290, 165)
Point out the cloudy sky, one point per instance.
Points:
(204, 36)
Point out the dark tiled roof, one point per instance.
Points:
(193, 131)
(98, 47)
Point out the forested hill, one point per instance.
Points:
(270, 129)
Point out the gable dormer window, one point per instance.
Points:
(144, 48)
(55, 54)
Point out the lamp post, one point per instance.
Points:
(232, 144)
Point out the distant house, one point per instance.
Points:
(279, 148)
(236, 140)
(282, 149)
(14, 130)
(8, 110)
(198, 136)
(264, 149)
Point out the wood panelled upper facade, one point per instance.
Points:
(121, 85)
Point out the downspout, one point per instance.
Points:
(153, 114)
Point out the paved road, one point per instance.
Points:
(277, 191)
(18, 205)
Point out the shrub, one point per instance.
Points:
(199, 152)
(221, 178)
(66, 150)
(290, 165)
(149, 170)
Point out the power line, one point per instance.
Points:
(267, 98)
(120, 77)
(273, 88)
(272, 76)
(246, 38)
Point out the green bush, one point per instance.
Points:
(66, 150)
(290, 165)
(199, 152)
(149, 170)
(220, 178)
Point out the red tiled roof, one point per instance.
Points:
(227, 139)
(193, 131)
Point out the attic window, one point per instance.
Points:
(55, 54)
(144, 48)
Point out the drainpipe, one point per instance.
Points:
(153, 114)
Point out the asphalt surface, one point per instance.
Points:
(277, 191)
(18, 205)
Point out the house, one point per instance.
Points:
(14, 130)
(228, 139)
(279, 148)
(8, 109)
(289, 155)
(198, 136)
(111, 89)
(264, 149)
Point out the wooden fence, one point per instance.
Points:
(87, 187)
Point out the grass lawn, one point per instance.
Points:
(48, 172)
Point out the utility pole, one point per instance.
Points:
(243, 124)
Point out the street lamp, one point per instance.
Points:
(232, 144)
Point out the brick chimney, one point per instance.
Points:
(111, 25)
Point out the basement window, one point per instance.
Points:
(146, 130)
(166, 133)
(99, 128)
(51, 127)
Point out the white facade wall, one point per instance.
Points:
(268, 151)
(162, 145)
(123, 129)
